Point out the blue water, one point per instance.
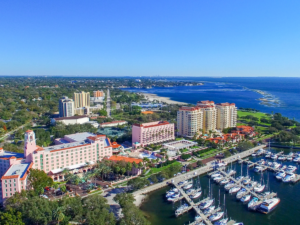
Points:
(238, 90)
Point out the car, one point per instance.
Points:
(59, 193)
(107, 195)
(47, 189)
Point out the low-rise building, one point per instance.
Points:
(71, 120)
(113, 123)
(152, 133)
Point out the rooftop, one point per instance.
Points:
(79, 136)
(7, 155)
(126, 159)
(113, 122)
(71, 118)
(17, 169)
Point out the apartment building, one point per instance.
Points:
(81, 99)
(189, 121)
(226, 115)
(73, 152)
(205, 117)
(209, 115)
(152, 133)
(66, 107)
(97, 94)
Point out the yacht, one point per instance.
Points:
(221, 222)
(269, 163)
(289, 177)
(268, 155)
(190, 191)
(197, 217)
(218, 178)
(239, 178)
(206, 204)
(246, 198)
(274, 157)
(291, 169)
(235, 189)
(259, 188)
(170, 193)
(280, 175)
(196, 195)
(296, 159)
(209, 210)
(246, 180)
(231, 172)
(252, 202)
(182, 183)
(181, 208)
(254, 154)
(283, 167)
(240, 194)
(188, 186)
(215, 174)
(258, 169)
(282, 158)
(276, 165)
(216, 216)
(225, 181)
(268, 205)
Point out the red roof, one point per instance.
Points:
(115, 145)
(126, 159)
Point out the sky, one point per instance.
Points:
(150, 37)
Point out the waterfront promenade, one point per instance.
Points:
(141, 194)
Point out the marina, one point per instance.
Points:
(236, 209)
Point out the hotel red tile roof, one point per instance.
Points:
(147, 112)
(115, 145)
(126, 159)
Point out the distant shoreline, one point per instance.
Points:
(167, 100)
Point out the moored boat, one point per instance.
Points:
(268, 205)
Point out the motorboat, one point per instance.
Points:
(234, 189)
(215, 174)
(252, 202)
(181, 208)
(218, 178)
(223, 182)
(289, 177)
(254, 154)
(246, 180)
(170, 193)
(221, 222)
(296, 159)
(188, 186)
(241, 192)
(274, 157)
(291, 169)
(246, 198)
(258, 169)
(268, 205)
(197, 217)
(206, 204)
(283, 167)
(268, 155)
(182, 183)
(289, 158)
(230, 183)
(239, 178)
(280, 175)
(269, 163)
(190, 191)
(276, 165)
(176, 195)
(196, 195)
(282, 158)
(209, 210)
(231, 172)
(259, 188)
(171, 199)
(216, 216)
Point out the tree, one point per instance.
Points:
(199, 163)
(58, 214)
(63, 188)
(11, 217)
(124, 198)
(244, 145)
(39, 179)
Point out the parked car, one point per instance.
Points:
(59, 193)
(47, 188)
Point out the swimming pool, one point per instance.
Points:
(145, 155)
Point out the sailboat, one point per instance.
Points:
(260, 187)
(224, 220)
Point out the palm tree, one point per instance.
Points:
(58, 214)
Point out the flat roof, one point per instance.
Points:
(80, 136)
(67, 145)
(71, 117)
(17, 169)
(6, 154)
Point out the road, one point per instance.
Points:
(11, 132)
(108, 103)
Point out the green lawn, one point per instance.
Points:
(157, 170)
(184, 150)
(256, 114)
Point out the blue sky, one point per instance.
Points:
(150, 37)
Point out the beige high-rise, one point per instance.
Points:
(226, 115)
(98, 94)
(209, 115)
(81, 99)
(189, 121)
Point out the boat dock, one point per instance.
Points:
(195, 206)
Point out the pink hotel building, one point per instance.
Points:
(151, 133)
(73, 152)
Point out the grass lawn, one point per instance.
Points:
(178, 139)
(157, 170)
(255, 114)
(184, 150)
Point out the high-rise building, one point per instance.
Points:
(153, 132)
(189, 121)
(66, 107)
(97, 94)
(209, 115)
(81, 99)
(226, 115)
